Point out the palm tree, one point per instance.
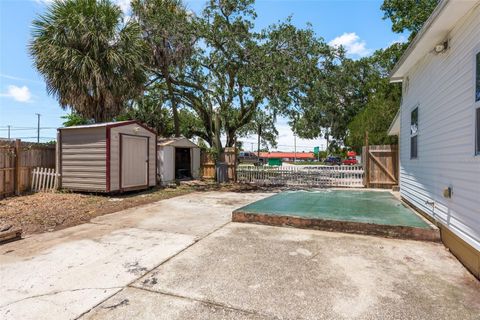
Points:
(92, 62)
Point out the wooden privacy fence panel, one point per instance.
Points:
(229, 157)
(381, 166)
(7, 171)
(314, 176)
(44, 179)
(16, 163)
(207, 166)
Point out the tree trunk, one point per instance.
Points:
(231, 137)
(176, 120)
(217, 143)
(258, 142)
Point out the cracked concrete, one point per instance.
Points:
(144, 304)
(63, 274)
(102, 261)
(300, 274)
(181, 259)
(195, 214)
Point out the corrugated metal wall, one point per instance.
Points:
(442, 86)
(83, 158)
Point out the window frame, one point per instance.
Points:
(476, 77)
(414, 135)
(476, 103)
(476, 129)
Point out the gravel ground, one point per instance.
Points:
(45, 212)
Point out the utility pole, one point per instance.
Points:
(38, 127)
(8, 132)
(294, 147)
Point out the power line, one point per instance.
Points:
(10, 128)
(35, 137)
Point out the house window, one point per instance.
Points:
(414, 134)
(477, 79)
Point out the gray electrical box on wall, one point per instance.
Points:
(447, 192)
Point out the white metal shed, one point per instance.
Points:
(107, 157)
(178, 159)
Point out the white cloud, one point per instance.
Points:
(352, 44)
(20, 94)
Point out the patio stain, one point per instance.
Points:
(375, 207)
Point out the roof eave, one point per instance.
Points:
(394, 74)
(394, 129)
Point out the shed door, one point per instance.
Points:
(134, 155)
(183, 163)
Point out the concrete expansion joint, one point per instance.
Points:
(210, 303)
(195, 241)
(55, 293)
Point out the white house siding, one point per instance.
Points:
(442, 86)
(83, 159)
(133, 129)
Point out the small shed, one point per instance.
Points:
(107, 157)
(178, 159)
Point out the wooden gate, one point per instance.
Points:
(8, 174)
(381, 166)
(207, 165)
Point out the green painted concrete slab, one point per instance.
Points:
(377, 207)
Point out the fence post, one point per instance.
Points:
(367, 161)
(16, 179)
(229, 154)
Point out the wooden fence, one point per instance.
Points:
(381, 166)
(17, 161)
(44, 179)
(208, 164)
(311, 176)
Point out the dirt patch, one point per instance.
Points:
(43, 212)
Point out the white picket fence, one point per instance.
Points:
(44, 179)
(311, 176)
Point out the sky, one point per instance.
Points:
(355, 24)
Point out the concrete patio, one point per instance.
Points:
(182, 258)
